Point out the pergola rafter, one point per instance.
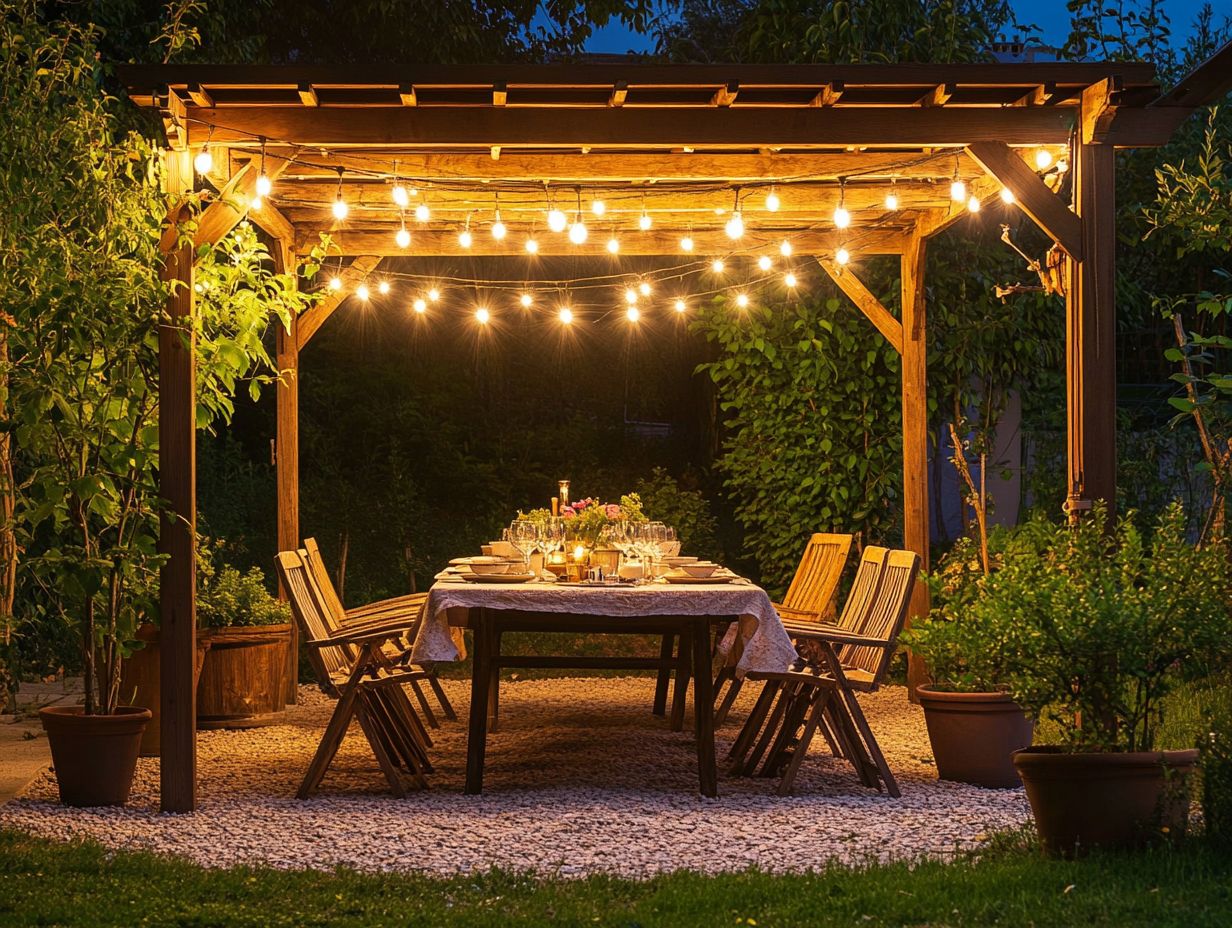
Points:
(676, 140)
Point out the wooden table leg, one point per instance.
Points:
(684, 667)
(664, 679)
(481, 680)
(703, 709)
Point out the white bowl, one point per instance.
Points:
(699, 569)
(486, 566)
(503, 549)
(678, 561)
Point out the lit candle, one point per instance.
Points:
(579, 553)
(555, 505)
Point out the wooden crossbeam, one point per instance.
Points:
(726, 96)
(626, 128)
(938, 96)
(199, 95)
(1205, 84)
(867, 303)
(175, 119)
(408, 96)
(441, 242)
(985, 189)
(1046, 209)
(308, 95)
(354, 274)
(1039, 95)
(829, 94)
(224, 213)
(1099, 106)
(273, 222)
(620, 92)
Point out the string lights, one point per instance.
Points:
(204, 162)
(578, 232)
(340, 208)
(958, 187)
(842, 217)
(735, 225)
(891, 197)
(265, 186)
(498, 228)
(465, 239)
(772, 200)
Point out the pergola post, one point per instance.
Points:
(915, 432)
(286, 452)
(1090, 329)
(177, 478)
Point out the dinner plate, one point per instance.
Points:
(497, 578)
(465, 561)
(677, 561)
(714, 578)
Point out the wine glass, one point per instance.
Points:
(669, 545)
(524, 535)
(551, 535)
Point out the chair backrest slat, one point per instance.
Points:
(316, 565)
(815, 583)
(863, 588)
(313, 615)
(884, 617)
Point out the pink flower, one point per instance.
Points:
(568, 512)
(613, 511)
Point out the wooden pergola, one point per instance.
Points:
(673, 141)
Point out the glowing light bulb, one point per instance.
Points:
(362, 292)
(401, 197)
(403, 238)
(643, 221)
(633, 314)
(973, 204)
(842, 256)
(465, 239)
(598, 207)
(340, 208)
(686, 243)
(557, 220)
(498, 228)
(958, 190)
(526, 300)
(255, 203)
(789, 279)
(532, 246)
(842, 217)
(630, 296)
(891, 200)
(742, 300)
(434, 294)
(577, 232)
(1062, 166)
(765, 263)
(644, 288)
(1007, 195)
(565, 315)
(681, 306)
(264, 185)
(383, 287)
(482, 316)
(420, 306)
(335, 283)
(785, 249)
(204, 162)
(772, 201)
(717, 265)
(735, 226)
(1043, 158)
(613, 245)
(422, 213)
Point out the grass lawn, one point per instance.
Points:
(44, 883)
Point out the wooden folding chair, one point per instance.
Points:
(809, 602)
(351, 667)
(407, 609)
(795, 704)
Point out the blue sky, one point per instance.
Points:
(1050, 15)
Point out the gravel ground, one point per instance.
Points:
(580, 779)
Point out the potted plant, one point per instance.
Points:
(1096, 628)
(974, 726)
(243, 680)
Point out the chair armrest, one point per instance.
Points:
(840, 636)
(377, 633)
(807, 614)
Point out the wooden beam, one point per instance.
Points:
(222, 215)
(177, 537)
(829, 94)
(938, 96)
(1041, 95)
(625, 128)
(273, 222)
(499, 94)
(620, 92)
(1206, 84)
(408, 96)
(1090, 335)
(915, 434)
(932, 222)
(437, 242)
(286, 449)
(726, 95)
(308, 95)
(175, 119)
(890, 328)
(1045, 208)
(199, 95)
(308, 324)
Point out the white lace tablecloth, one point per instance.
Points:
(757, 641)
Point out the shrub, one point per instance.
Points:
(234, 598)
(664, 499)
(1216, 763)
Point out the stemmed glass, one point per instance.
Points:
(524, 535)
(669, 545)
(551, 535)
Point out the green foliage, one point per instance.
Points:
(812, 417)
(686, 510)
(1216, 765)
(229, 598)
(1102, 626)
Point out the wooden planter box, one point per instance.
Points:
(141, 682)
(243, 681)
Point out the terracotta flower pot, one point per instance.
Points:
(974, 735)
(94, 756)
(1109, 800)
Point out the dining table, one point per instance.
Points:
(688, 612)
